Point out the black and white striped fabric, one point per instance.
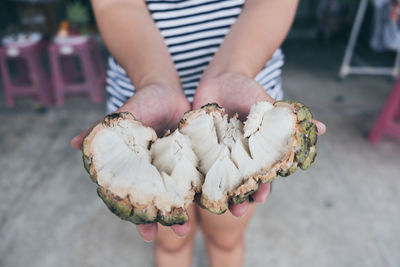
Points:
(193, 31)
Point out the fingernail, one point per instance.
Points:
(265, 198)
(241, 216)
(243, 207)
(323, 126)
(181, 236)
(75, 138)
(178, 230)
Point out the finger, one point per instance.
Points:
(321, 127)
(239, 210)
(147, 231)
(181, 230)
(76, 142)
(262, 193)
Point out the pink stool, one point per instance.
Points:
(389, 119)
(64, 56)
(31, 78)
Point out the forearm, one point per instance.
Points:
(259, 31)
(134, 40)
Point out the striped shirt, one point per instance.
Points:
(193, 30)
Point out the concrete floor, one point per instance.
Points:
(343, 212)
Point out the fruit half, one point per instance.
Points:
(235, 157)
(141, 179)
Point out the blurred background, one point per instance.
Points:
(340, 60)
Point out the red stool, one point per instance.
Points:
(389, 119)
(64, 56)
(31, 78)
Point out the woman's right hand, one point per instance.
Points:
(161, 108)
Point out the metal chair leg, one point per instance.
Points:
(345, 68)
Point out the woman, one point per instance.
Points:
(171, 56)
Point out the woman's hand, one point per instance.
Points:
(159, 107)
(237, 93)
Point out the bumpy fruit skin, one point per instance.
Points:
(218, 208)
(123, 208)
(302, 155)
(177, 216)
(306, 134)
(86, 156)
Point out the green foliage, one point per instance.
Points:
(77, 13)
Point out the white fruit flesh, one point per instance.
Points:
(230, 153)
(212, 139)
(222, 177)
(124, 165)
(202, 131)
(122, 162)
(176, 161)
(220, 159)
(270, 132)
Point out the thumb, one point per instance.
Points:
(321, 127)
(76, 142)
(181, 230)
(147, 231)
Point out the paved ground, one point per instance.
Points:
(343, 212)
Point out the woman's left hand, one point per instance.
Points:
(237, 93)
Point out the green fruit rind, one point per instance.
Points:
(219, 209)
(304, 114)
(302, 148)
(87, 162)
(125, 211)
(303, 144)
(180, 218)
(301, 156)
(141, 217)
(242, 197)
(305, 126)
(309, 160)
(288, 171)
(118, 208)
(211, 105)
(312, 134)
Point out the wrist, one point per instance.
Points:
(214, 71)
(168, 83)
(221, 75)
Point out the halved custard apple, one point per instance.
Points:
(140, 178)
(210, 157)
(235, 158)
